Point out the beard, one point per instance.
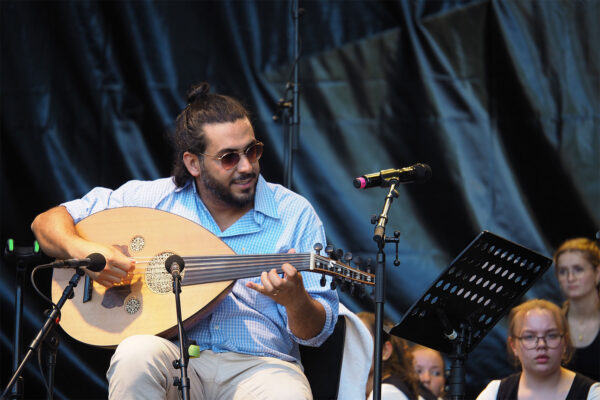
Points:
(223, 192)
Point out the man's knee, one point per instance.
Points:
(136, 353)
(274, 382)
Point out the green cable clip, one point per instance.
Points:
(194, 351)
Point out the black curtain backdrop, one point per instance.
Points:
(500, 98)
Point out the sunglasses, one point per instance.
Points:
(229, 160)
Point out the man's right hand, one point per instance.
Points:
(56, 233)
(118, 270)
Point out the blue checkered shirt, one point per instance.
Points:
(246, 321)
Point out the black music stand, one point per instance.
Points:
(465, 302)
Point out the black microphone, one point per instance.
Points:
(174, 263)
(415, 173)
(94, 262)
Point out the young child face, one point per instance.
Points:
(429, 365)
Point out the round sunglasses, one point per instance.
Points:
(230, 159)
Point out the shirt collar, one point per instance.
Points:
(264, 201)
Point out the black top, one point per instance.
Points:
(509, 387)
(586, 360)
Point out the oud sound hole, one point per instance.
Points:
(132, 305)
(137, 244)
(158, 279)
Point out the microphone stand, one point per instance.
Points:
(285, 107)
(381, 239)
(22, 257)
(174, 265)
(51, 321)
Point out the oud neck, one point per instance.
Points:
(206, 269)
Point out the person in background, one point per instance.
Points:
(577, 267)
(539, 341)
(429, 366)
(399, 381)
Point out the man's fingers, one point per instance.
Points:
(274, 278)
(289, 270)
(264, 279)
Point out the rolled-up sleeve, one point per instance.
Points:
(96, 200)
(133, 193)
(330, 304)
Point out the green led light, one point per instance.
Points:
(36, 246)
(11, 245)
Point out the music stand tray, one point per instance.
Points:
(474, 292)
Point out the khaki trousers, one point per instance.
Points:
(142, 368)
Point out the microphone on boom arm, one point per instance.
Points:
(415, 173)
(94, 262)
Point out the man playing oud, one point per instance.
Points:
(249, 343)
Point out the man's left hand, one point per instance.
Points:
(287, 290)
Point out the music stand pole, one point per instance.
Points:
(380, 238)
(51, 321)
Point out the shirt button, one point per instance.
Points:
(216, 327)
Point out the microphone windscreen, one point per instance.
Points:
(423, 172)
(360, 182)
(97, 262)
(174, 259)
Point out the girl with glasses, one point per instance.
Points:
(539, 341)
(577, 267)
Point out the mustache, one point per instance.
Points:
(244, 177)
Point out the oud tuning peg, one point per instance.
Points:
(329, 250)
(323, 281)
(317, 248)
(333, 284)
(358, 261)
(348, 257)
(369, 264)
(339, 253)
(345, 287)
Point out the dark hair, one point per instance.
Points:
(400, 362)
(203, 108)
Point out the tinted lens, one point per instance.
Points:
(230, 160)
(254, 152)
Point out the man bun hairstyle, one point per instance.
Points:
(203, 108)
